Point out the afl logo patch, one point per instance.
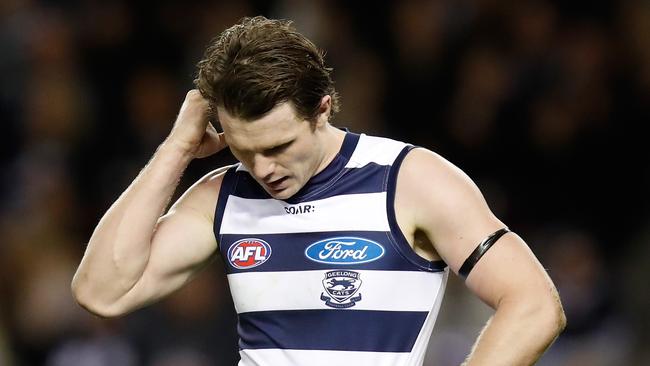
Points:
(248, 253)
(344, 250)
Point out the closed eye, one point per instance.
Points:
(278, 149)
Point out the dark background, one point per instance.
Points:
(542, 103)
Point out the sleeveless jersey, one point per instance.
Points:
(327, 277)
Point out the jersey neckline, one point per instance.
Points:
(326, 177)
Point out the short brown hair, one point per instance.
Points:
(258, 63)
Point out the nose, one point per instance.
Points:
(263, 167)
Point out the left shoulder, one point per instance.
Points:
(448, 207)
(375, 149)
(444, 203)
(424, 171)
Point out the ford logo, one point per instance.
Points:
(344, 250)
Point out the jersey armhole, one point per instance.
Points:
(227, 187)
(396, 233)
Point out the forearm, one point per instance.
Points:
(119, 248)
(517, 334)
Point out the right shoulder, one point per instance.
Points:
(212, 181)
(203, 194)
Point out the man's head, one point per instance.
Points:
(269, 88)
(281, 150)
(259, 63)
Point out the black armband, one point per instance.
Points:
(483, 247)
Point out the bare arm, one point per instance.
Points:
(136, 256)
(451, 211)
(529, 314)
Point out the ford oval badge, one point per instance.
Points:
(344, 250)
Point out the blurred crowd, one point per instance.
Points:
(542, 103)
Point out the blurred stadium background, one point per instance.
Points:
(543, 103)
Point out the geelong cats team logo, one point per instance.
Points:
(248, 253)
(341, 286)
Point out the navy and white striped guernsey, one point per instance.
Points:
(327, 277)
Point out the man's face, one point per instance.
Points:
(280, 150)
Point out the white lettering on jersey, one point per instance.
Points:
(334, 250)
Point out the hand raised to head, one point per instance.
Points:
(192, 131)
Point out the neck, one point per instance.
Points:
(332, 142)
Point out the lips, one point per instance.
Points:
(276, 185)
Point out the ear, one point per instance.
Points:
(324, 111)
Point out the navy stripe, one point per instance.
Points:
(349, 144)
(227, 185)
(248, 187)
(340, 330)
(331, 173)
(288, 252)
(369, 179)
(398, 237)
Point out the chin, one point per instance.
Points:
(285, 193)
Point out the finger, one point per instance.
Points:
(211, 143)
(210, 127)
(218, 136)
(222, 139)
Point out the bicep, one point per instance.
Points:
(183, 243)
(509, 268)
